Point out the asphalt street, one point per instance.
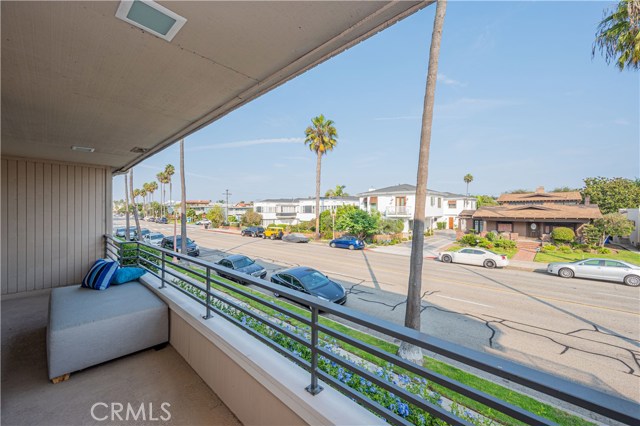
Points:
(584, 330)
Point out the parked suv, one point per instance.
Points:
(252, 231)
(273, 233)
(192, 247)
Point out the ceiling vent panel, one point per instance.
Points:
(151, 17)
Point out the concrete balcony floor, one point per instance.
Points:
(149, 377)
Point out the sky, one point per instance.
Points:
(520, 103)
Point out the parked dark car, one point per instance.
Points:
(348, 242)
(162, 220)
(192, 247)
(295, 238)
(243, 264)
(151, 219)
(143, 232)
(252, 231)
(310, 281)
(120, 232)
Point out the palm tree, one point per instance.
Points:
(143, 194)
(183, 204)
(162, 179)
(146, 187)
(169, 171)
(412, 314)
(468, 178)
(618, 35)
(135, 207)
(321, 137)
(337, 192)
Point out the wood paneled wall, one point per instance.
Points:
(54, 216)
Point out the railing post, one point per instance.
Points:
(208, 315)
(314, 388)
(120, 253)
(138, 253)
(164, 266)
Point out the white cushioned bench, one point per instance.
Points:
(88, 327)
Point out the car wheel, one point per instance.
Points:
(264, 237)
(273, 237)
(333, 245)
(489, 264)
(351, 247)
(632, 280)
(565, 273)
(447, 259)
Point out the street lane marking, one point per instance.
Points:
(462, 300)
(616, 295)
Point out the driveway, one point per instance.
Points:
(432, 245)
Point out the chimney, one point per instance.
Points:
(540, 190)
(587, 200)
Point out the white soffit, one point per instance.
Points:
(73, 74)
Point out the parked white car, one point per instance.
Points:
(475, 256)
(203, 222)
(599, 269)
(154, 238)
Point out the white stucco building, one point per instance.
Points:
(291, 211)
(634, 216)
(398, 202)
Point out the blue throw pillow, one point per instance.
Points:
(100, 275)
(129, 273)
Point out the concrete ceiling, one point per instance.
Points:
(74, 74)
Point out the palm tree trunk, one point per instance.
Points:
(135, 207)
(126, 202)
(183, 205)
(467, 189)
(412, 315)
(318, 165)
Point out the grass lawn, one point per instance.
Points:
(508, 252)
(624, 255)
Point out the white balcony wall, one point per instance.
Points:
(54, 216)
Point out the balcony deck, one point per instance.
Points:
(149, 377)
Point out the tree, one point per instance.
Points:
(611, 225)
(337, 192)
(135, 208)
(414, 296)
(468, 178)
(357, 222)
(251, 218)
(321, 137)
(565, 189)
(183, 203)
(169, 171)
(613, 194)
(485, 200)
(618, 35)
(191, 213)
(216, 216)
(162, 178)
(391, 226)
(518, 191)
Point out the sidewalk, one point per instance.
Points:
(523, 265)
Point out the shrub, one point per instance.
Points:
(563, 235)
(428, 232)
(469, 240)
(548, 249)
(492, 236)
(604, 250)
(503, 243)
(441, 225)
(484, 243)
(565, 249)
(582, 247)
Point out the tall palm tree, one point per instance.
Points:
(468, 178)
(162, 179)
(321, 137)
(183, 199)
(618, 35)
(169, 171)
(412, 314)
(146, 187)
(135, 207)
(143, 194)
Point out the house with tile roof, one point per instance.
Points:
(535, 214)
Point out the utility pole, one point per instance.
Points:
(226, 208)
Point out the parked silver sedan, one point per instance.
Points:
(599, 269)
(475, 256)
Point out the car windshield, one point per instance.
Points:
(243, 262)
(179, 240)
(313, 280)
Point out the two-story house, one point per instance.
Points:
(291, 211)
(307, 206)
(398, 202)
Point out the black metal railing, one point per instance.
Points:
(271, 324)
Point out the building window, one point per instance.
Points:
(452, 204)
(478, 225)
(433, 201)
(439, 202)
(307, 209)
(505, 227)
(259, 209)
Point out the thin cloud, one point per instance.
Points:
(450, 81)
(401, 117)
(621, 122)
(253, 142)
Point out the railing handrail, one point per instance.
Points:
(579, 395)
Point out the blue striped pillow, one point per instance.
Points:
(100, 275)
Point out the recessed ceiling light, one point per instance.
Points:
(82, 148)
(151, 17)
